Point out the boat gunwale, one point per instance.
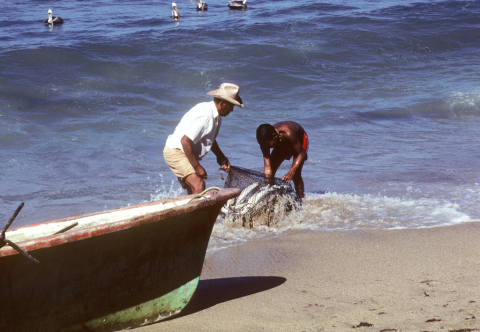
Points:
(73, 235)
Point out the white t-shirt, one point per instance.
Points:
(201, 124)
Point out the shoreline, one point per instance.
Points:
(378, 280)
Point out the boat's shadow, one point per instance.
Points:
(211, 292)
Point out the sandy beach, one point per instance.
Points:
(369, 280)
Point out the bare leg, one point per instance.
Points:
(298, 182)
(299, 188)
(195, 183)
(185, 185)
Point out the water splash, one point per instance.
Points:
(343, 212)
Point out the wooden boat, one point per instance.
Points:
(109, 270)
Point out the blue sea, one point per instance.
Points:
(388, 92)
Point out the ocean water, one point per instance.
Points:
(388, 92)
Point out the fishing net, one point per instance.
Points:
(261, 202)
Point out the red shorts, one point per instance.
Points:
(305, 141)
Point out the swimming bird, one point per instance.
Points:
(53, 20)
(237, 4)
(174, 14)
(201, 6)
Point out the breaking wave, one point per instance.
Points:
(343, 212)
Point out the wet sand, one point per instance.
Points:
(374, 280)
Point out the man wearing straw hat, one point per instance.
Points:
(196, 134)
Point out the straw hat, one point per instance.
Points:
(228, 92)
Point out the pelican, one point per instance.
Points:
(174, 14)
(53, 20)
(201, 6)
(237, 4)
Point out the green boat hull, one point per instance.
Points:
(148, 312)
(106, 278)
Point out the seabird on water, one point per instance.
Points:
(201, 6)
(174, 14)
(237, 4)
(53, 20)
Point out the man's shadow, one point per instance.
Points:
(214, 291)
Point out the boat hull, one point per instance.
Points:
(112, 280)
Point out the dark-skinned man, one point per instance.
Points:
(288, 139)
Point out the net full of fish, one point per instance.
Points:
(259, 203)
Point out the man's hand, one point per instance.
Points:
(288, 177)
(267, 173)
(200, 171)
(225, 167)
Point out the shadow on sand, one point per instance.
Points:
(211, 292)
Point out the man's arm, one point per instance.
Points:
(221, 159)
(188, 150)
(267, 170)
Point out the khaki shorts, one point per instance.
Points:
(178, 163)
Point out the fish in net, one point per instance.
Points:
(261, 202)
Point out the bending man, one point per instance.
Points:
(288, 139)
(196, 134)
